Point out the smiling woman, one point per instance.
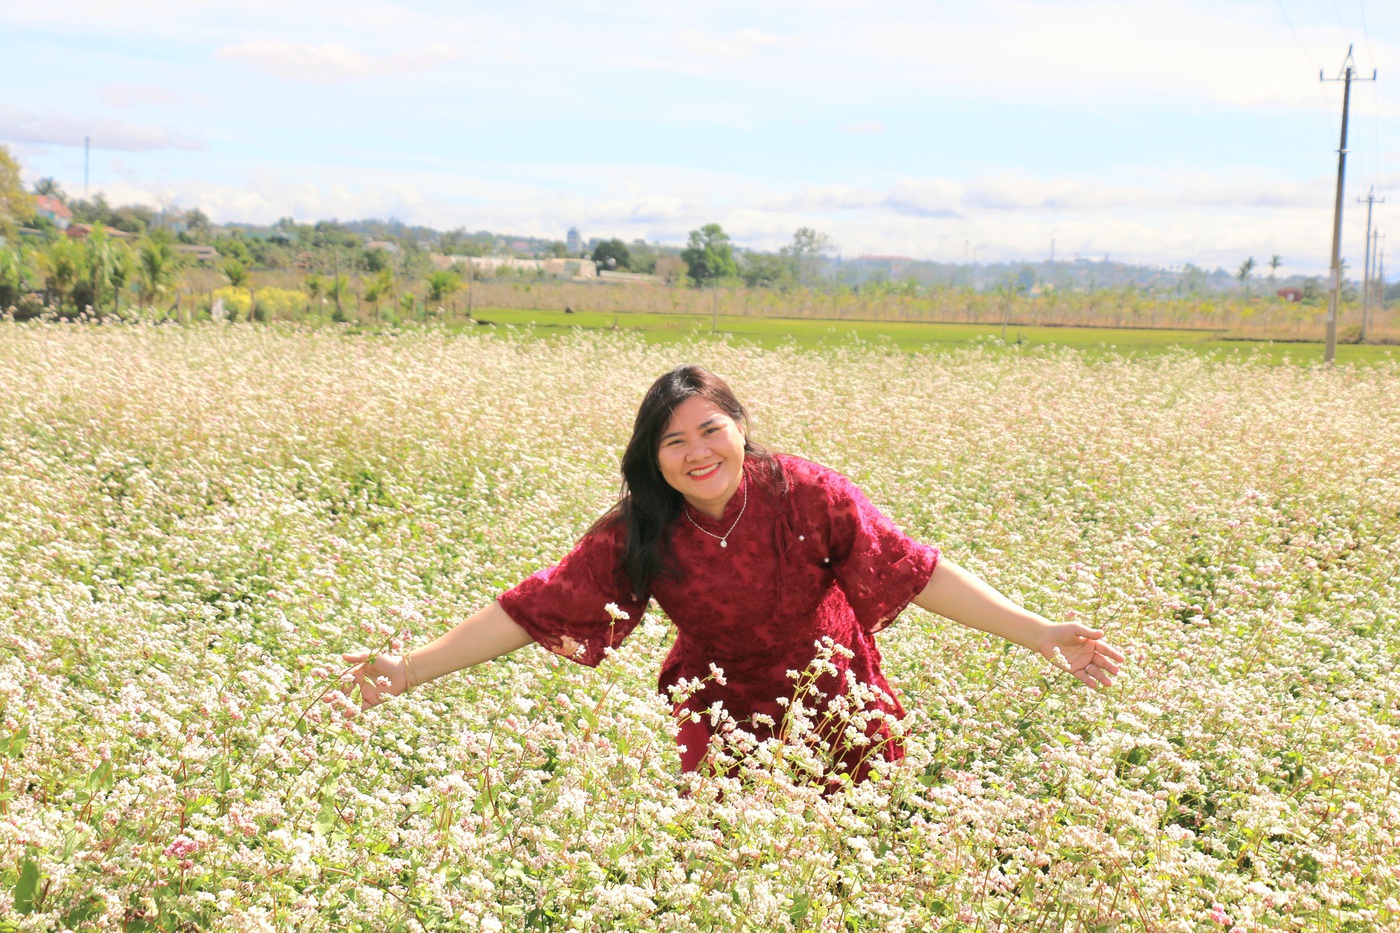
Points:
(761, 561)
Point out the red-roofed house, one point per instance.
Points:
(53, 209)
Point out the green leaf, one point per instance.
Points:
(327, 819)
(14, 745)
(27, 888)
(801, 904)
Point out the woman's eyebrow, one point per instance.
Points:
(702, 426)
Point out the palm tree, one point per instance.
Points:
(61, 263)
(1246, 268)
(441, 285)
(157, 266)
(1274, 262)
(336, 290)
(378, 288)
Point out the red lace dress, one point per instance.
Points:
(818, 561)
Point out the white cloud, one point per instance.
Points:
(132, 95)
(105, 132)
(302, 61)
(742, 43)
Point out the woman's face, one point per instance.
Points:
(702, 455)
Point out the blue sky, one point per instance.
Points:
(1160, 132)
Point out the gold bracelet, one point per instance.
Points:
(410, 674)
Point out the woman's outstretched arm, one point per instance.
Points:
(966, 598)
(485, 635)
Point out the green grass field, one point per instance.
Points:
(771, 333)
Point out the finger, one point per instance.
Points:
(1101, 678)
(369, 694)
(1084, 678)
(1108, 650)
(355, 657)
(1083, 631)
(1105, 663)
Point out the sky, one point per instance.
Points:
(1159, 132)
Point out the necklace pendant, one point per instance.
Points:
(723, 543)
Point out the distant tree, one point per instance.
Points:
(104, 269)
(1274, 262)
(13, 284)
(709, 256)
(765, 270)
(376, 289)
(133, 218)
(157, 265)
(1193, 279)
(16, 205)
(441, 285)
(643, 257)
(235, 272)
(805, 252)
(336, 290)
(1025, 279)
(50, 188)
(197, 225)
(670, 268)
(613, 254)
(558, 249)
(1246, 269)
(376, 260)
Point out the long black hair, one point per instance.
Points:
(648, 504)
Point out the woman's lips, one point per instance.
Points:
(704, 472)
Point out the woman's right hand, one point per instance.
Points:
(378, 676)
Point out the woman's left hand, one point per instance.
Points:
(1083, 652)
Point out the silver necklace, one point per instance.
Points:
(724, 538)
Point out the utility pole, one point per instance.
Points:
(1376, 286)
(1334, 301)
(1371, 200)
(87, 140)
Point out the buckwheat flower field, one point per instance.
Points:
(196, 522)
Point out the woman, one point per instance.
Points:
(755, 558)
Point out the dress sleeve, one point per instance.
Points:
(566, 607)
(879, 567)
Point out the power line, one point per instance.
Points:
(1297, 38)
(1340, 21)
(1375, 99)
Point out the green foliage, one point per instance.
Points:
(235, 272)
(377, 259)
(709, 255)
(157, 266)
(441, 285)
(376, 289)
(13, 277)
(15, 203)
(613, 254)
(765, 270)
(50, 188)
(805, 252)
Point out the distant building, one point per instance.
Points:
(81, 231)
(553, 268)
(1291, 294)
(53, 209)
(198, 253)
(389, 246)
(574, 244)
